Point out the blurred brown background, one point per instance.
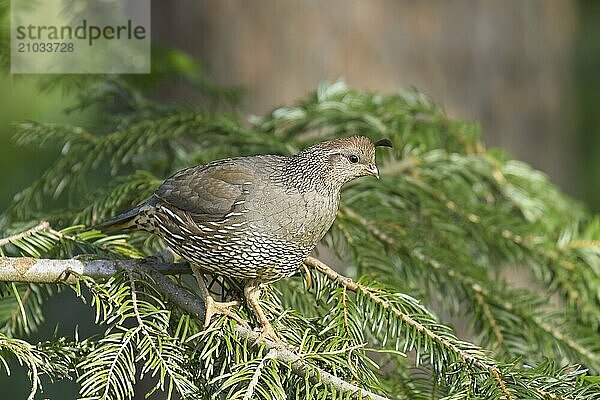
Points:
(506, 64)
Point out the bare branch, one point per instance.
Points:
(39, 270)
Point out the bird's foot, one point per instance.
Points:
(267, 332)
(217, 308)
(214, 307)
(252, 294)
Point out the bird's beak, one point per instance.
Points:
(373, 170)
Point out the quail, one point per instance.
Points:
(255, 218)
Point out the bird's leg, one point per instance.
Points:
(213, 307)
(252, 294)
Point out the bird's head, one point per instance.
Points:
(345, 159)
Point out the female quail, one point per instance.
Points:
(255, 218)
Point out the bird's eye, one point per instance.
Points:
(353, 158)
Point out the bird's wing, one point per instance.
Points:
(207, 192)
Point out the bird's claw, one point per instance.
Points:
(217, 308)
(267, 332)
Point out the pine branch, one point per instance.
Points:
(42, 226)
(38, 270)
(43, 241)
(66, 271)
(39, 360)
(166, 366)
(478, 290)
(472, 356)
(21, 302)
(510, 382)
(449, 216)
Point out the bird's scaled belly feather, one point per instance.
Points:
(238, 248)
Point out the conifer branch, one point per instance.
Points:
(490, 317)
(438, 182)
(583, 244)
(25, 269)
(481, 296)
(356, 287)
(467, 356)
(279, 352)
(39, 270)
(42, 226)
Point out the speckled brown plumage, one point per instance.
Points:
(253, 217)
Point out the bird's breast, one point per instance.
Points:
(302, 218)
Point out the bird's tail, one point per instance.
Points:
(122, 222)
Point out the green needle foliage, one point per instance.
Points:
(439, 241)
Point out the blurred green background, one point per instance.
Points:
(528, 71)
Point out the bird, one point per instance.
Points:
(255, 218)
